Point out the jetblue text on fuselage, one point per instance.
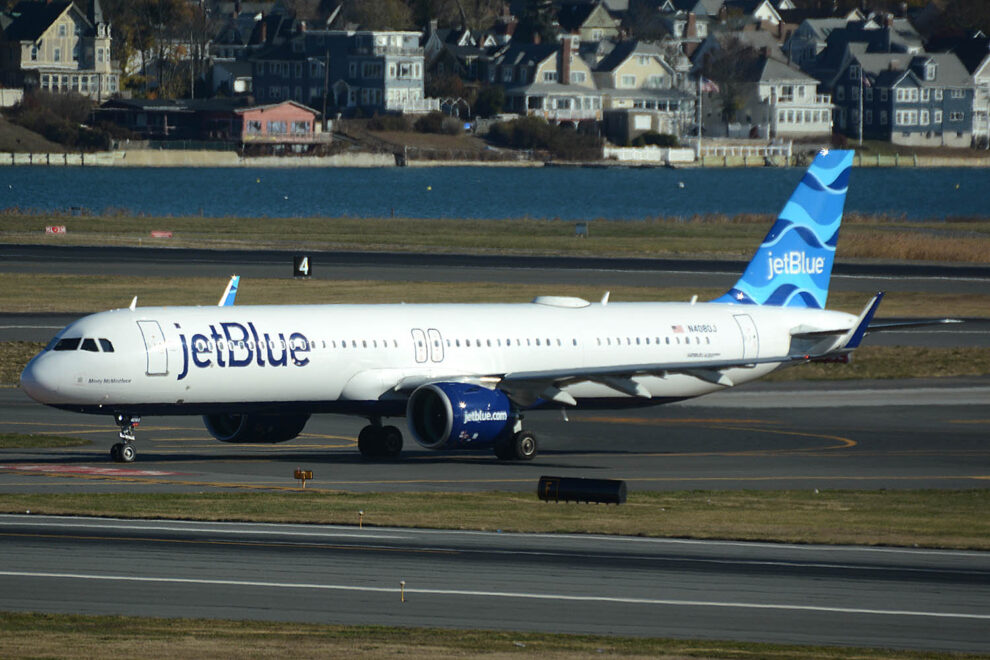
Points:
(794, 263)
(238, 345)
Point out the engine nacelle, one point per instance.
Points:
(458, 416)
(252, 428)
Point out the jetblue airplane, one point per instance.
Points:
(462, 375)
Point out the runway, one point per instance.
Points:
(878, 597)
(923, 434)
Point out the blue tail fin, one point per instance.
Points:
(793, 266)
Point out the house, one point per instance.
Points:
(922, 100)
(639, 93)
(588, 21)
(58, 47)
(981, 103)
(371, 71)
(973, 50)
(549, 81)
(287, 122)
(777, 101)
(225, 120)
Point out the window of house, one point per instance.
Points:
(956, 116)
(507, 74)
(854, 72)
(868, 116)
(938, 93)
(61, 30)
(868, 93)
(274, 92)
(578, 77)
(76, 52)
(938, 117)
(883, 95)
(99, 55)
(958, 94)
(924, 117)
(57, 55)
(883, 117)
(627, 80)
(298, 69)
(34, 52)
(840, 93)
(930, 70)
(549, 76)
(254, 127)
(655, 82)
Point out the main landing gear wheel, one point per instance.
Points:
(380, 441)
(521, 446)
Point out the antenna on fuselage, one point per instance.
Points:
(133, 304)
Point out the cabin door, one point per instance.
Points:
(750, 337)
(154, 346)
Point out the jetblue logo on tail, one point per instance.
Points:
(793, 266)
(794, 263)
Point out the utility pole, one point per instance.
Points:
(326, 83)
(860, 67)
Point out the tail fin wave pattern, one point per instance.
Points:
(793, 266)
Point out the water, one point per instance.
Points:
(479, 192)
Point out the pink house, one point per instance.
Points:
(287, 122)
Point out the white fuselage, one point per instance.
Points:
(355, 358)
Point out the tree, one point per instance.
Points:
(728, 65)
(536, 22)
(643, 21)
(378, 14)
(491, 101)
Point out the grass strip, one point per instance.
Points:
(712, 235)
(39, 292)
(31, 635)
(32, 441)
(924, 518)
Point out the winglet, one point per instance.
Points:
(227, 299)
(863, 323)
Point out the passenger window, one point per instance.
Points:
(89, 344)
(106, 345)
(68, 344)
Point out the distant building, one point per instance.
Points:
(57, 47)
(374, 71)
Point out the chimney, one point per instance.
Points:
(691, 30)
(434, 26)
(565, 61)
(302, 27)
(263, 32)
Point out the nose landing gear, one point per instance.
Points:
(123, 452)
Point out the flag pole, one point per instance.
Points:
(698, 148)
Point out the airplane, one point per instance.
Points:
(463, 375)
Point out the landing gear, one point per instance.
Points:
(124, 452)
(377, 441)
(520, 446)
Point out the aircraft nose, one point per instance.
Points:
(40, 381)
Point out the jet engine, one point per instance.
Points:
(458, 416)
(253, 428)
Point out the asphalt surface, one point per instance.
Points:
(898, 434)
(922, 434)
(879, 597)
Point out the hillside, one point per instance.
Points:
(18, 139)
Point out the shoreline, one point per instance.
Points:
(365, 159)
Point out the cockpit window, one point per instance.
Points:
(67, 344)
(89, 344)
(106, 345)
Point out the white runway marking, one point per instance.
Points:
(501, 594)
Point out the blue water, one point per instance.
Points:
(472, 192)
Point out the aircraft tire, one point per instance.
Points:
(524, 446)
(370, 442)
(127, 453)
(115, 452)
(391, 442)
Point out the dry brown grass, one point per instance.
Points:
(27, 635)
(914, 246)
